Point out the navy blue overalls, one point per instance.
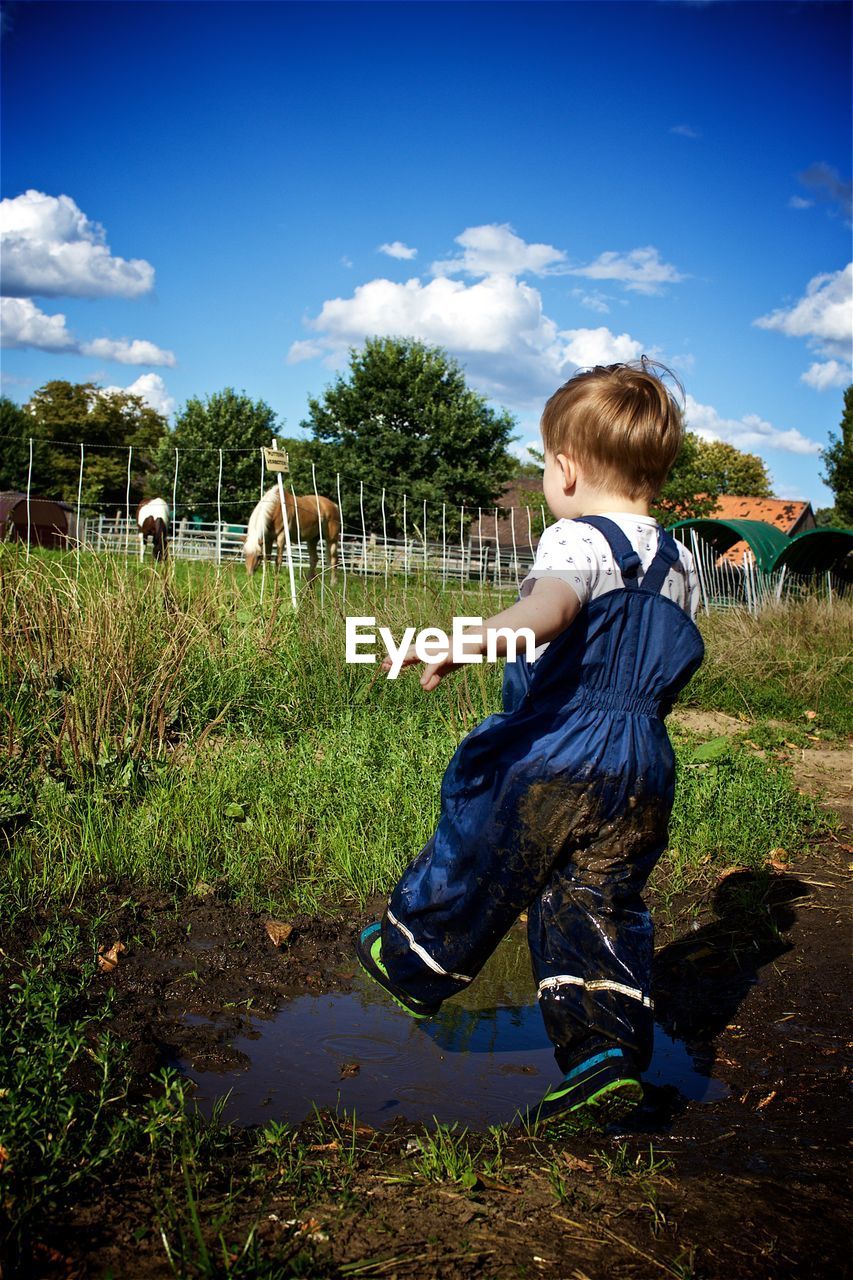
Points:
(559, 804)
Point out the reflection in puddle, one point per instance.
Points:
(483, 1058)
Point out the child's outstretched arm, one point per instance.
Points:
(549, 608)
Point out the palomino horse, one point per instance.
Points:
(153, 520)
(309, 518)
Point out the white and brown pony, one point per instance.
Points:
(152, 517)
(309, 519)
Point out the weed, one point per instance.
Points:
(445, 1156)
(625, 1163)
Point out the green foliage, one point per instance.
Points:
(57, 1135)
(732, 808)
(728, 470)
(14, 450)
(702, 471)
(227, 420)
(532, 468)
(405, 420)
(838, 461)
(106, 424)
(689, 492)
(827, 518)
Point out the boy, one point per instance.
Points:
(559, 804)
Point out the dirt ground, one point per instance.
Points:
(754, 975)
(750, 1186)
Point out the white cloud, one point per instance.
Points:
(826, 373)
(640, 270)
(152, 389)
(824, 317)
(797, 202)
(23, 324)
(521, 450)
(50, 249)
(595, 301)
(396, 249)
(511, 349)
(128, 351)
(495, 249)
(588, 347)
(749, 432)
(685, 131)
(825, 312)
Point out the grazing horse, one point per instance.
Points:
(153, 521)
(308, 519)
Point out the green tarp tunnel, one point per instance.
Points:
(764, 541)
(819, 550)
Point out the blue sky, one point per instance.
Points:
(233, 194)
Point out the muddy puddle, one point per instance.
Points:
(484, 1057)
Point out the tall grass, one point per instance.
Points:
(791, 658)
(169, 728)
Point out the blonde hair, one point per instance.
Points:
(620, 423)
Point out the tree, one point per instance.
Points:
(689, 493)
(229, 421)
(61, 416)
(405, 420)
(14, 448)
(728, 470)
(838, 461)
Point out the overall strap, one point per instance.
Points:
(665, 557)
(623, 553)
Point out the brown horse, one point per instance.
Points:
(309, 518)
(152, 517)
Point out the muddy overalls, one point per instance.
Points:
(560, 805)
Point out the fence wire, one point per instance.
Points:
(471, 561)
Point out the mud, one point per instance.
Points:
(484, 1057)
(751, 981)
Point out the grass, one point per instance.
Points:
(166, 728)
(791, 659)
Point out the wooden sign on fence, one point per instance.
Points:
(276, 460)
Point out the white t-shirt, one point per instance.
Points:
(579, 555)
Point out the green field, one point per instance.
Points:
(167, 730)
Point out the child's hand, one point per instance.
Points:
(432, 674)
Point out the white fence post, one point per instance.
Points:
(263, 548)
(127, 503)
(443, 544)
(514, 547)
(175, 500)
(405, 547)
(341, 548)
(286, 533)
(79, 495)
(363, 530)
(219, 514)
(320, 539)
(497, 553)
(29, 490)
(384, 537)
(298, 560)
(462, 545)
